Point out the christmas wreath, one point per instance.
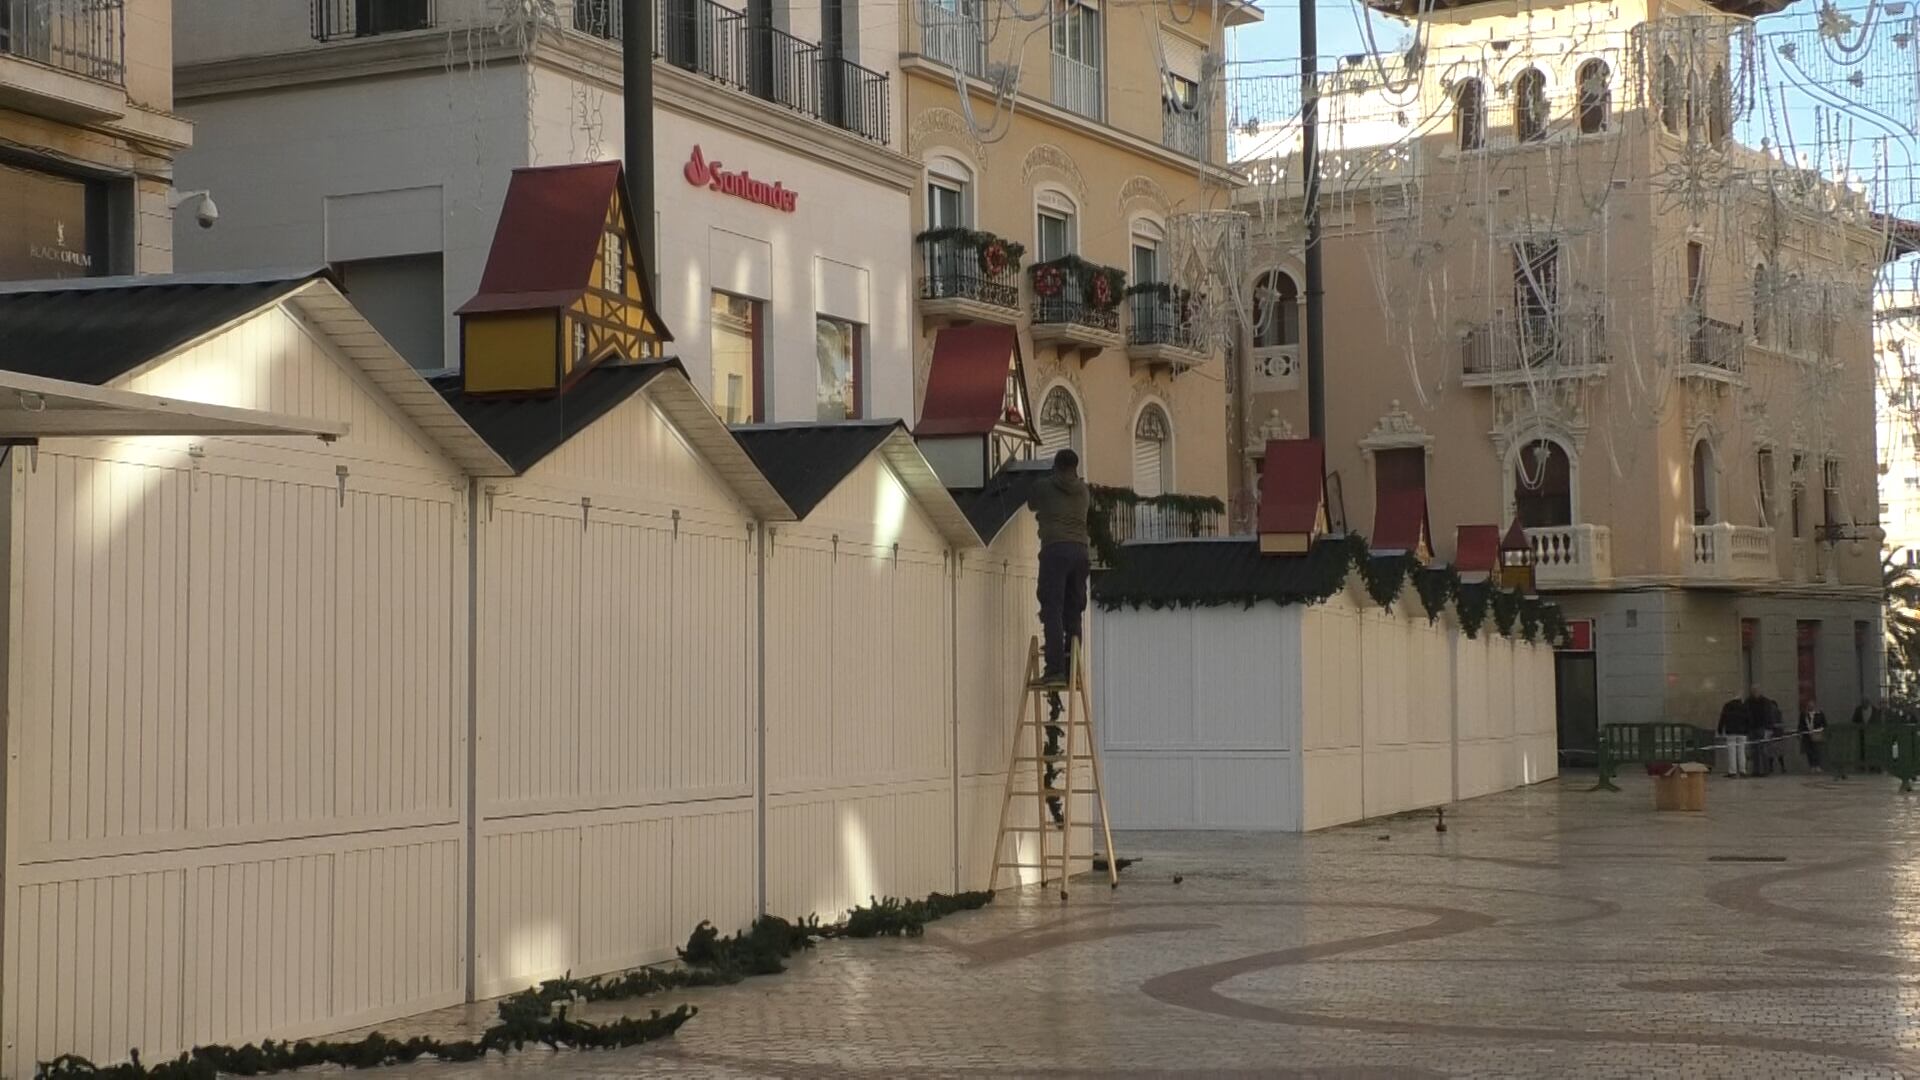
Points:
(1100, 292)
(994, 258)
(1048, 281)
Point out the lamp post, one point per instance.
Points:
(1516, 560)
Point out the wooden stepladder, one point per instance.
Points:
(1054, 751)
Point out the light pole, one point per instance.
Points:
(636, 51)
(1310, 190)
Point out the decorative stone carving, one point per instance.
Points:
(1143, 191)
(1151, 425)
(1552, 408)
(944, 127)
(1048, 162)
(1396, 429)
(1275, 427)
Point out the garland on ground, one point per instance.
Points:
(997, 254)
(1385, 576)
(538, 1015)
(1100, 286)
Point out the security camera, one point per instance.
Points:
(207, 213)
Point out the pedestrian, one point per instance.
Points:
(1735, 722)
(1813, 732)
(1765, 727)
(1061, 502)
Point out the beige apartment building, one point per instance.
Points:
(87, 138)
(1064, 158)
(1561, 291)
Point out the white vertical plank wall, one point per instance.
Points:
(616, 625)
(997, 615)
(235, 701)
(1302, 717)
(859, 701)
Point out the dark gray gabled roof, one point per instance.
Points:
(524, 428)
(989, 508)
(805, 462)
(94, 330)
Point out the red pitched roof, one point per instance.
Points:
(1516, 539)
(967, 384)
(1399, 520)
(1293, 486)
(547, 239)
(1476, 549)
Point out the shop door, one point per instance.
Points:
(1577, 690)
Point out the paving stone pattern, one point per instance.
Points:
(1549, 932)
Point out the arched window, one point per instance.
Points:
(1276, 311)
(949, 193)
(1530, 106)
(1792, 311)
(1706, 484)
(1596, 97)
(1543, 485)
(1719, 106)
(1762, 305)
(1152, 452)
(1470, 114)
(1668, 91)
(1059, 425)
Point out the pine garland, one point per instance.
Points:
(1436, 587)
(1470, 607)
(1529, 620)
(1087, 273)
(1105, 500)
(1506, 608)
(1385, 575)
(538, 1015)
(979, 240)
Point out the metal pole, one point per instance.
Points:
(1310, 191)
(636, 50)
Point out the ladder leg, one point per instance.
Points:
(1006, 791)
(1093, 755)
(1066, 799)
(1036, 700)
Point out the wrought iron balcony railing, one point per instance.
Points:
(954, 33)
(1060, 297)
(1718, 345)
(1534, 344)
(1184, 132)
(334, 19)
(86, 37)
(1160, 320)
(953, 271)
(713, 40)
(1076, 87)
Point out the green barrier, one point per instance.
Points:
(1893, 749)
(1647, 744)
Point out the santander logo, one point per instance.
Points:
(702, 173)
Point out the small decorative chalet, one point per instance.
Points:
(976, 416)
(1476, 552)
(565, 287)
(1400, 513)
(1516, 560)
(1293, 496)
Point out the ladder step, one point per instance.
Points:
(1049, 828)
(1062, 757)
(1036, 794)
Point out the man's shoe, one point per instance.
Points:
(1053, 681)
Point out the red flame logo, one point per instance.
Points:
(697, 172)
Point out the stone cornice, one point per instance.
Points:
(576, 55)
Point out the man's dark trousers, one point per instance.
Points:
(1063, 600)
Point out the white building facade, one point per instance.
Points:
(382, 150)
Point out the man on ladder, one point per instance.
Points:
(1060, 502)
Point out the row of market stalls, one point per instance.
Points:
(334, 693)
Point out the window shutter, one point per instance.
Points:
(1184, 59)
(1147, 456)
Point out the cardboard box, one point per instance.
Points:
(1681, 787)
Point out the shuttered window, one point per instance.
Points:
(1151, 469)
(1059, 426)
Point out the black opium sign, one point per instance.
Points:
(48, 226)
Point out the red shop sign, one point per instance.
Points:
(710, 175)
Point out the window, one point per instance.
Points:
(1536, 297)
(1053, 228)
(1530, 106)
(1763, 473)
(737, 359)
(949, 184)
(1470, 115)
(1696, 271)
(836, 344)
(1706, 481)
(1833, 506)
(1146, 271)
(1719, 107)
(1543, 485)
(390, 16)
(1059, 425)
(1750, 652)
(1762, 306)
(1152, 464)
(1806, 641)
(405, 300)
(953, 33)
(1276, 311)
(1076, 59)
(614, 267)
(1668, 91)
(1797, 495)
(1401, 468)
(52, 226)
(1596, 97)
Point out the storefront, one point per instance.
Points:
(52, 225)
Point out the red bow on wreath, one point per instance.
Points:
(1047, 281)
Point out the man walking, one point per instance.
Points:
(1060, 502)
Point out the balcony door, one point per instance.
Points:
(1543, 486)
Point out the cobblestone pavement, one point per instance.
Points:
(1548, 932)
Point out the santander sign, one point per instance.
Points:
(708, 174)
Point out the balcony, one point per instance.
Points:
(80, 37)
(1726, 552)
(715, 41)
(1184, 132)
(1569, 556)
(963, 281)
(954, 33)
(337, 19)
(1076, 87)
(1566, 345)
(1276, 368)
(1716, 350)
(1118, 516)
(1076, 305)
(1160, 330)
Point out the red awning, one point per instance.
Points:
(967, 385)
(1400, 520)
(1476, 549)
(1293, 486)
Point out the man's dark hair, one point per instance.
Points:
(1066, 461)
